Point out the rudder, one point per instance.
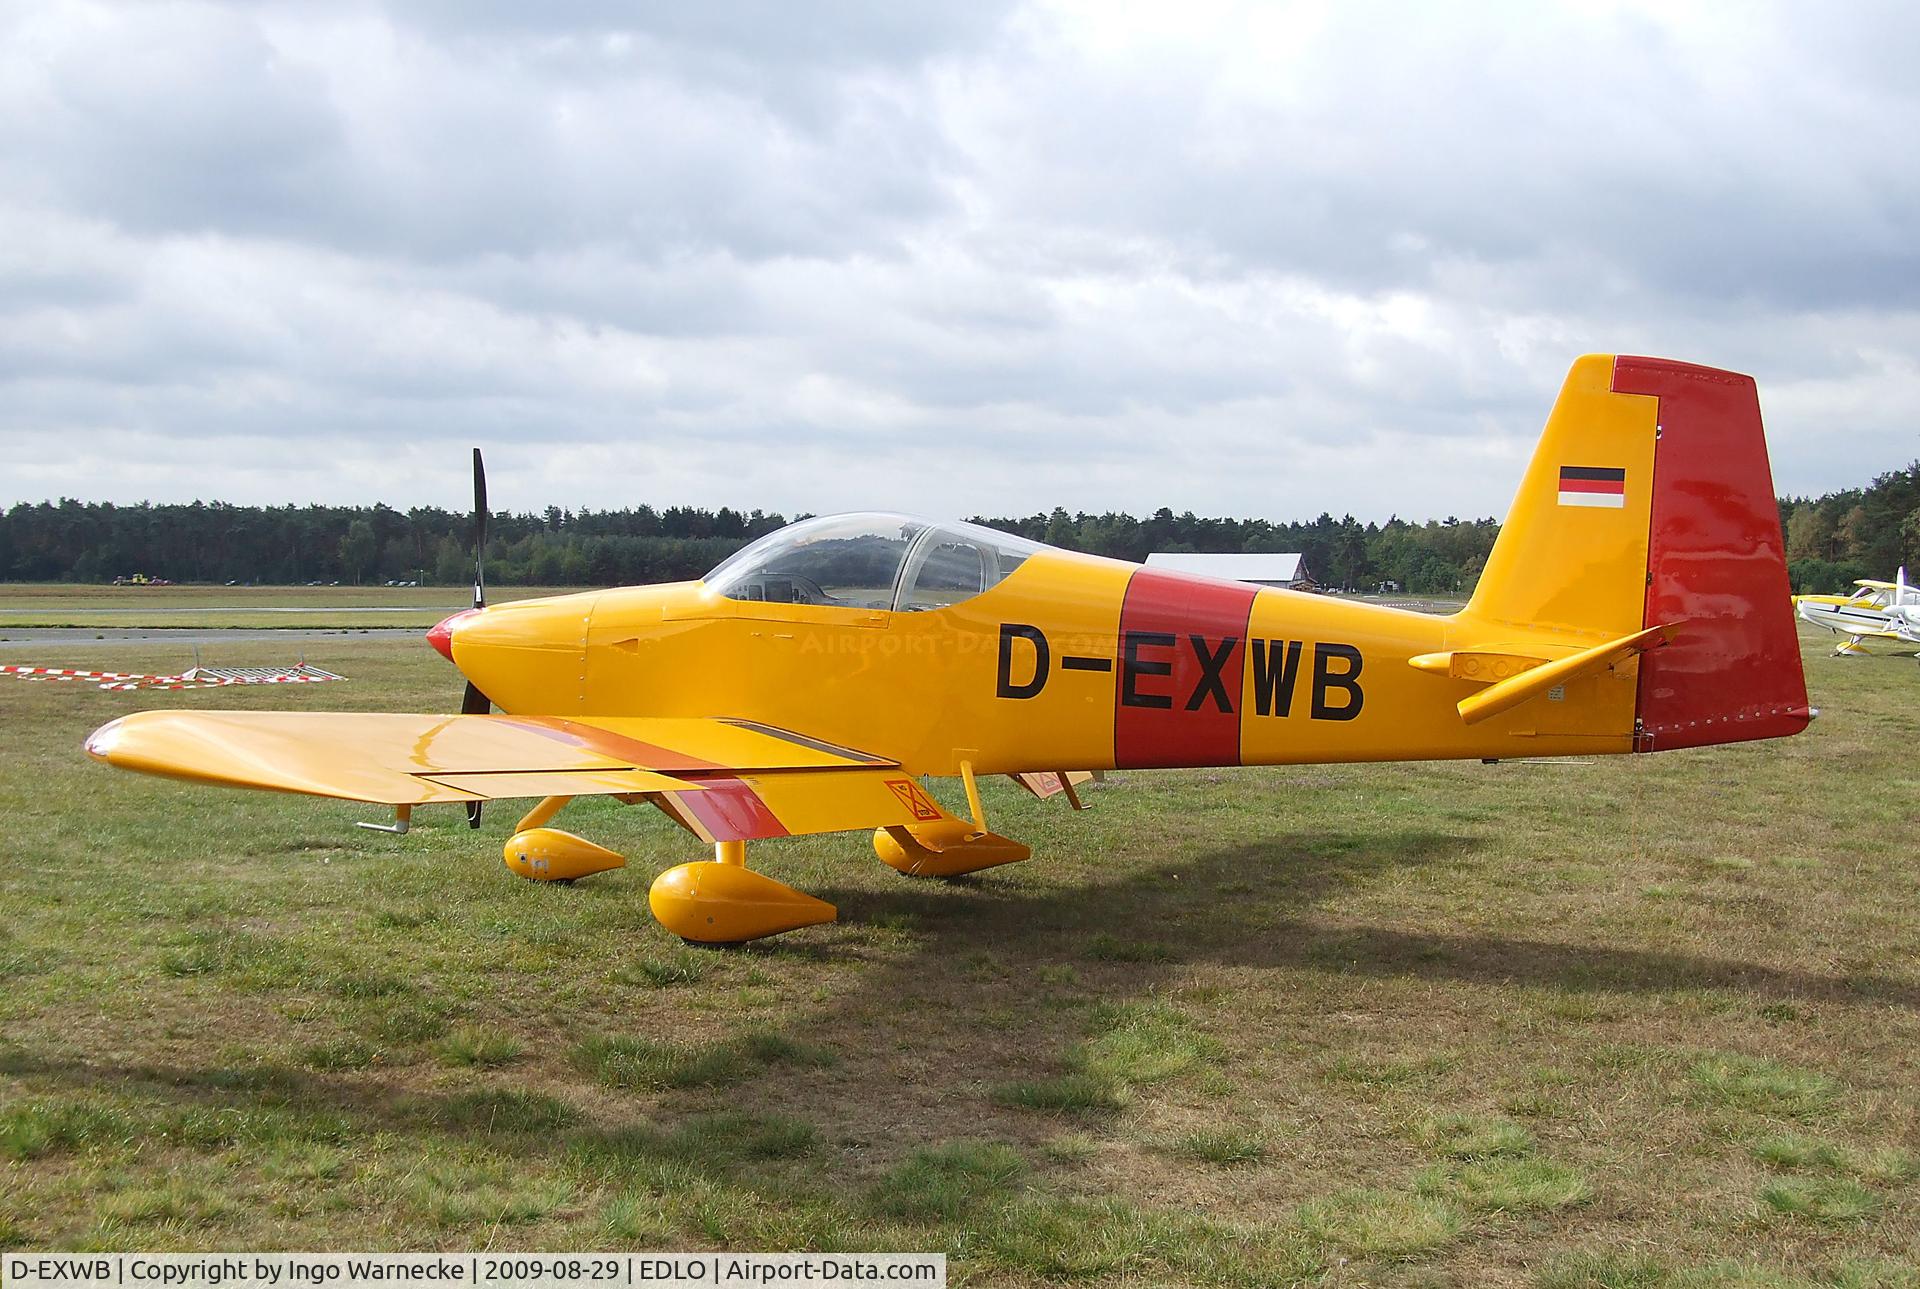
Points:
(1716, 565)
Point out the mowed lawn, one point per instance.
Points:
(1642, 1021)
(58, 604)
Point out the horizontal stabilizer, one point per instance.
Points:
(1508, 694)
(1481, 666)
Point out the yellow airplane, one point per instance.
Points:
(1636, 601)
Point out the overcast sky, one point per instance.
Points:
(1260, 260)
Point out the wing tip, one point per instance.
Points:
(101, 743)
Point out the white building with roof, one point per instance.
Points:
(1286, 571)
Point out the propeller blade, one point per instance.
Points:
(474, 703)
(479, 531)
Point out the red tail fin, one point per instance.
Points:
(1716, 566)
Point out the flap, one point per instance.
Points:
(561, 783)
(787, 803)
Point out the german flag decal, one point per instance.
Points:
(1591, 485)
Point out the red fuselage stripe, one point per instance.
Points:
(1183, 651)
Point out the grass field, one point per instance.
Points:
(77, 605)
(1647, 1021)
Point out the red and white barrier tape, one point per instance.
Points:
(198, 678)
(68, 673)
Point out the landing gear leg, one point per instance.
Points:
(722, 901)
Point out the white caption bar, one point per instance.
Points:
(469, 1270)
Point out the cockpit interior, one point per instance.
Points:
(871, 560)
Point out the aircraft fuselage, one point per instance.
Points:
(1072, 662)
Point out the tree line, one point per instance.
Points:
(1441, 556)
(1858, 532)
(1855, 533)
(76, 541)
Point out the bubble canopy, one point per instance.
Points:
(871, 560)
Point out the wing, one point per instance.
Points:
(726, 780)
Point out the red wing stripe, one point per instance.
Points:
(619, 747)
(731, 811)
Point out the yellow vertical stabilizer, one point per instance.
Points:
(1572, 556)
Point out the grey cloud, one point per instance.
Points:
(844, 33)
(955, 257)
(373, 136)
(176, 117)
(1495, 135)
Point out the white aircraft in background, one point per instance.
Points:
(1878, 612)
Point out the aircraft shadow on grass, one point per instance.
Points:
(923, 1039)
(1248, 907)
